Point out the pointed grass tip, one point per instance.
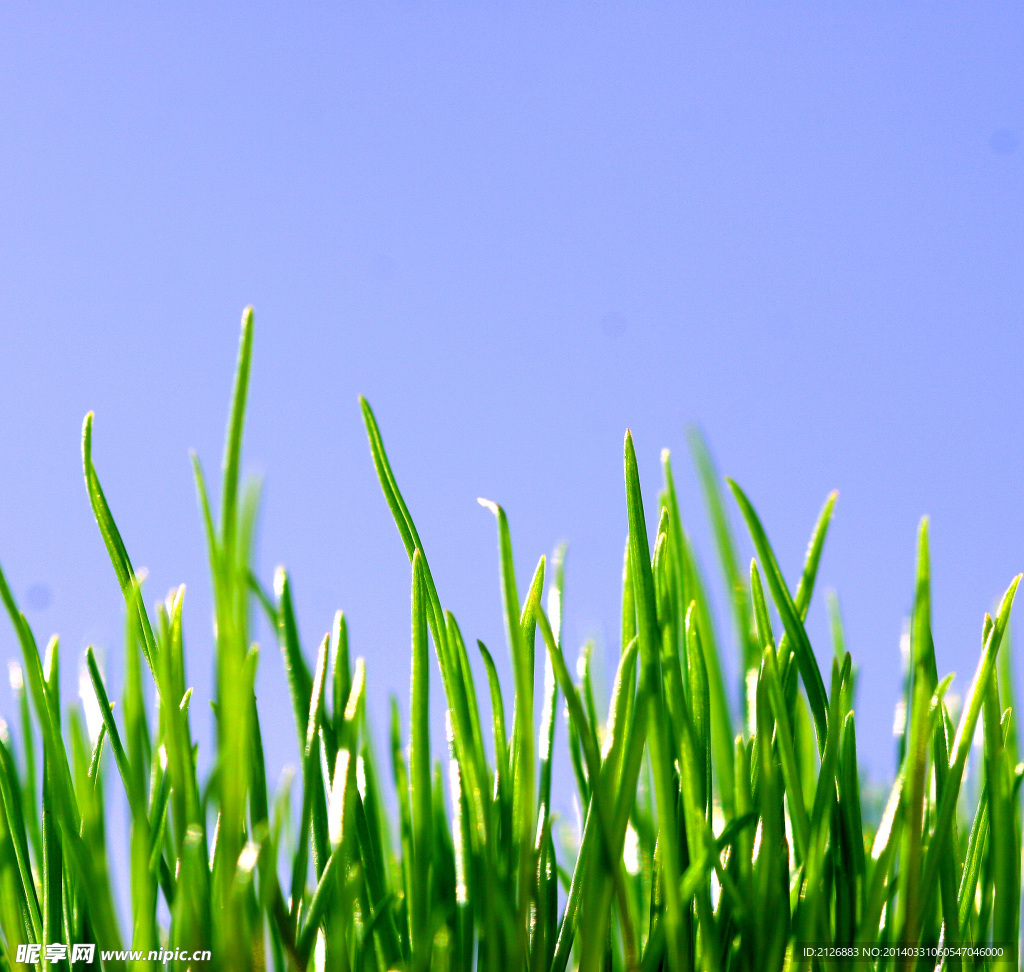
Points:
(489, 504)
(280, 580)
(367, 411)
(87, 434)
(629, 451)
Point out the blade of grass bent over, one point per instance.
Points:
(468, 750)
(112, 539)
(788, 610)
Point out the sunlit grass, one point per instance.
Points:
(716, 836)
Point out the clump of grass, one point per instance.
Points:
(713, 839)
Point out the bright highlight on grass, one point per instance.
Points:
(715, 837)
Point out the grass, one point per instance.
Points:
(717, 837)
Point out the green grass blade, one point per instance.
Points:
(962, 742)
(850, 801)
(501, 762)
(661, 759)
(1004, 843)
(467, 746)
(420, 896)
(233, 439)
(341, 681)
(771, 862)
(685, 570)
(300, 681)
(370, 854)
(527, 621)
(620, 772)
(14, 817)
(209, 530)
(523, 795)
(725, 543)
(467, 702)
(700, 710)
(402, 517)
(546, 736)
(924, 666)
(762, 620)
(313, 815)
(976, 847)
(815, 917)
(120, 756)
(789, 612)
(400, 772)
(787, 756)
(112, 539)
(721, 739)
(30, 778)
(191, 921)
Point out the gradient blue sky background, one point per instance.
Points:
(518, 229)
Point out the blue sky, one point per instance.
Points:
(519, 230)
